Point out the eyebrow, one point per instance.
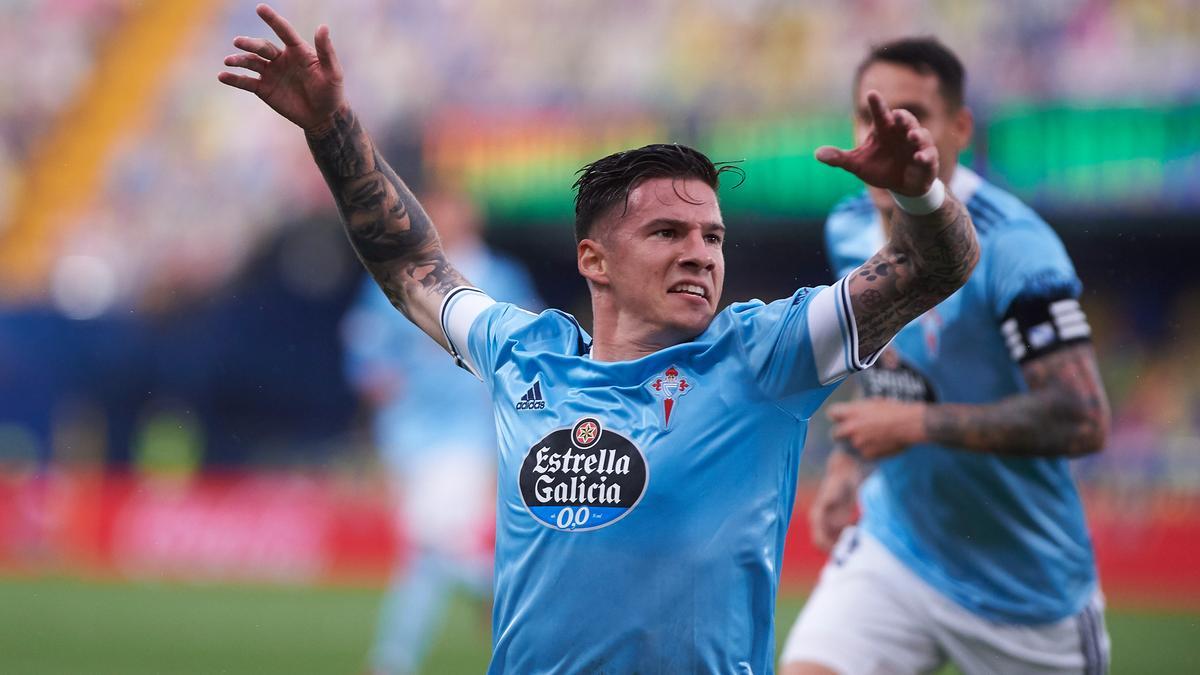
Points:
(673, 222)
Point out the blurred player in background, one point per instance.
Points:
(972, 544)
(434, 429)
(642, 508)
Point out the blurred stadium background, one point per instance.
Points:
(186, 484)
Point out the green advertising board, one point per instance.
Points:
(1062, 158)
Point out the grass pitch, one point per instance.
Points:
(125, 628)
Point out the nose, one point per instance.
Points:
(697, 255)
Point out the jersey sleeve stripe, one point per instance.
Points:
(856, 361)
(834, 334)
(849, 329)
(459, 310)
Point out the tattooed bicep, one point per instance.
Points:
(1072, 368)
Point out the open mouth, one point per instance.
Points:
(690, 289)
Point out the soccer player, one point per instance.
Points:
(972, 545)
(641, 512)
(434, 431)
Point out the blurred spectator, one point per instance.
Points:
(188, 200)
(163, 272)
(434, 430)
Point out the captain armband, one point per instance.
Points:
(1036, 326)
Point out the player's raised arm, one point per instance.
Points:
(386, 225)
(932, 248)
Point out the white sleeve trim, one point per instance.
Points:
(834, 334)
(460, 308)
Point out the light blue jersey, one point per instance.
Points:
(642, 505)
(1004, 537)
(432, 404)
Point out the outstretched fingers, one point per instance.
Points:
(905, 120)
(920, 137)
(827, 154)
(245, 82)
(259, 46)
(248, 61)
(881, 116)
(280, 25)
(927, 157)
(924, 150)
(325, 52)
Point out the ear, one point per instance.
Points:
(963, 126)
(593, 265)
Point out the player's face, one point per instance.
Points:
(918, 93)
(663, 264)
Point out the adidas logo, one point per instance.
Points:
(532, 400)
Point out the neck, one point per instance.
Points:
(618, 337)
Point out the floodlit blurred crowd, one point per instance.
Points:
(191, 198)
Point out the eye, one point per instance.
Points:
(664, 234)
(714, 239)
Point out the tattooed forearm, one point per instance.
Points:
(1065, 412)
(926, 259)
(385, 223)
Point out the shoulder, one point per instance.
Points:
(552, 330)
(742, 314)
(1021, 255)
(1009, 228)
(996, 212)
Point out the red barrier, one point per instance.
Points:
(246, 527)
(306, 529)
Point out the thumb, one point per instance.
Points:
(832, 156)
(325, 53)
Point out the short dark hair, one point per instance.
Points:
(609, 180)
(924, 55)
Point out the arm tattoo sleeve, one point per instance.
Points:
(1065, 413)
(386, 225)
(927, 259)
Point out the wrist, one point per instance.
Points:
(925, 204)
(919, 432)
(326, 125)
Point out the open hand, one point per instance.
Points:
(299, 82)
(878, 427)
(898, 154)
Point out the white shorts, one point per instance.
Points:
(871, 614)
(446, 502)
